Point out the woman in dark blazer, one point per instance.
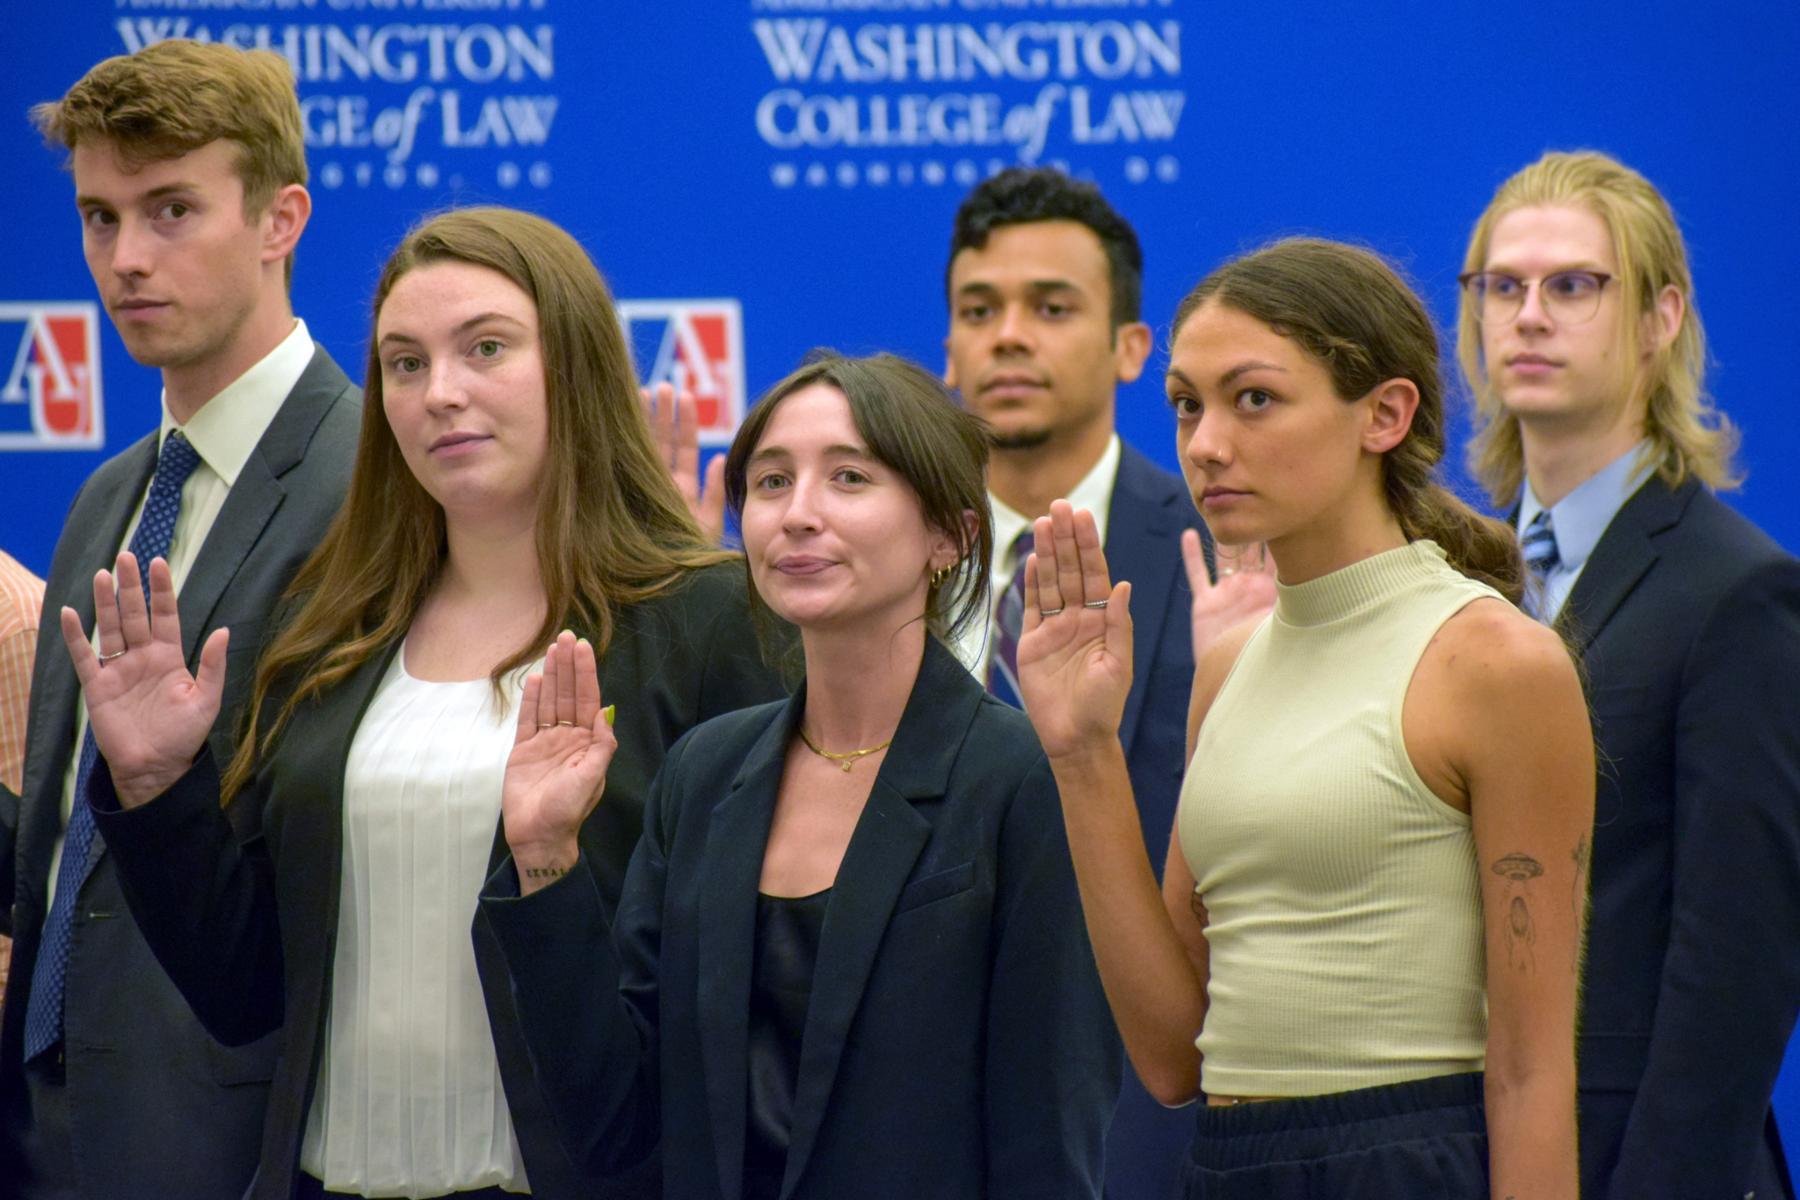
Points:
(506, 487)
(849, 960)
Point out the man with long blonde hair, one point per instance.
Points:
(190, 171)
(1580, 339)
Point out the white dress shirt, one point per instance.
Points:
(1093, 493)
(409, 1100)
(224, 433)
(1580, 517)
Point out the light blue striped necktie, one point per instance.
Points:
(1541, 557)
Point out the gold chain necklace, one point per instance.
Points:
(845, 758)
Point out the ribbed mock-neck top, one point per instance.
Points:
(1343, 907)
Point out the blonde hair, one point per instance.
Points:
(611, 528)
(1687, 435)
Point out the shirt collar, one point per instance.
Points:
(226, 429)
(1580, 517)
(1094, 491)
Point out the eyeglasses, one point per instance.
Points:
(1570, 297)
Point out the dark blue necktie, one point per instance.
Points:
(1009, 623)
(44, 1011)
(1541, 557)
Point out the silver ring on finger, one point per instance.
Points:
(1049, 612)
(1101, 603)
(106, 658)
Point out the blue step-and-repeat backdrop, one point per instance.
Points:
(758, 177)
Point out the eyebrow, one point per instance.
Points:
(472, 322)
(155, 193)
(837, 449)
(1035, 285)
(1243, 368)
(1580, 264)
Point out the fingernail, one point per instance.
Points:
(609, 713)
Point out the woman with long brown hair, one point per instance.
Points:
(1363, 959)
(506, 488)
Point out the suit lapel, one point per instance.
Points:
(257, 494)
(1624, 555)
(1141, 533)
(104, 512)
(888, 840)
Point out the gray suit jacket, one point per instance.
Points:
(158, 1108)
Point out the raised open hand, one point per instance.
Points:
(1075, 648)
(557, 768)
(149, 716)
(675, 424)
(1246, 587)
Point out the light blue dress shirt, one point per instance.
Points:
(1580, 517)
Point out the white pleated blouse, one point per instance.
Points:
(409, 1101)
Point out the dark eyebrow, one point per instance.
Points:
(1035, 285)
(1245, 368)
(1242, 368)
(839, 449)
(472, 322)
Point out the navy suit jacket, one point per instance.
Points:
(158, 1108)
(246, 921)
(957, 1041)
(1688, 621)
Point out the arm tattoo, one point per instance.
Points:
(1519, 870)
(545, 872)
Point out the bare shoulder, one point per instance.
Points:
(1491, 680)
(1491, 653)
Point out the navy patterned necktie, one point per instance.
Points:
(1541, 557)
(1009, 623)
(44, 1011)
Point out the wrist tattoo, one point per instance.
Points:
(545, 872)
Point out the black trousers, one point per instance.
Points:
(1425, 1140)
(308, 1188)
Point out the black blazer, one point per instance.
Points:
(158, 1108)
(1150, 508)
(1688, 620)
(957, 1042)
(249, 933)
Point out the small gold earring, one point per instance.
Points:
(938, 576)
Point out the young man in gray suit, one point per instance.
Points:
(1579, 337)
(189, 169)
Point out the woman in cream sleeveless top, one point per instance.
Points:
(1364, 954)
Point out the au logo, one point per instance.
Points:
(698, 346)
(50, 399)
